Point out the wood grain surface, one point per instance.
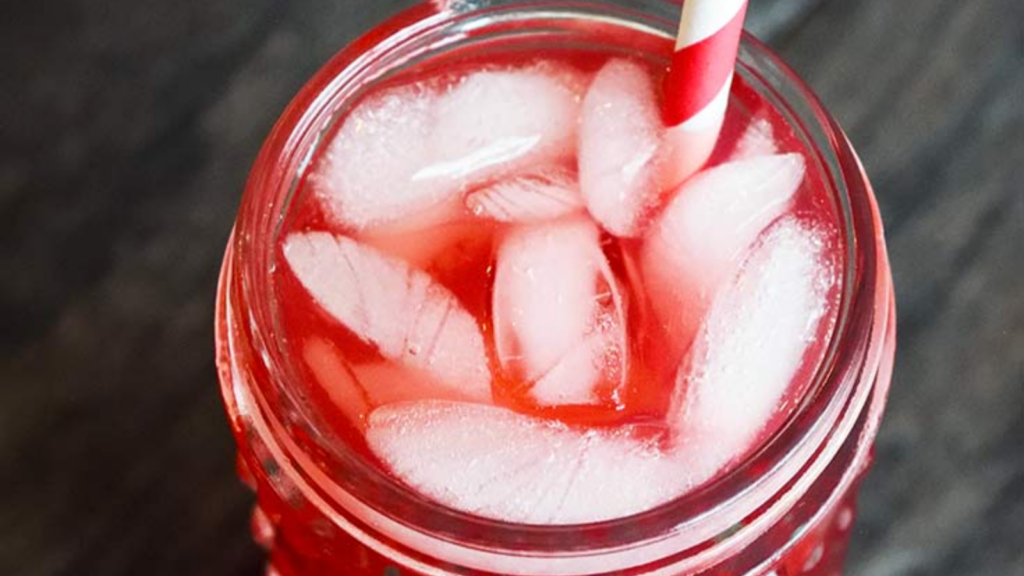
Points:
(128, 128)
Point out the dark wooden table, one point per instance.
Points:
(127, 131)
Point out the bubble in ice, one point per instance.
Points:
(706, 229)
(499, 464)
(752, 343)
(557, 312)
(408, 316)
(620, 138)
(408, 153)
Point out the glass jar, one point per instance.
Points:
(786, 510)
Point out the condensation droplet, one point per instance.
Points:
(816, 555)
(263, 530)
(844, 518)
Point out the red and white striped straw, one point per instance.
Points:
(698, 81)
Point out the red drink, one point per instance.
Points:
(467, 325)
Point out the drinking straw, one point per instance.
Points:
(698, 80)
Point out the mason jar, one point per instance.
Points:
(322, 509)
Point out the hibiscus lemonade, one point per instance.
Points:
(469, 323)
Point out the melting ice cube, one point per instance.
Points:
(752, 344)
(409, 317)
(366, 175)
(558, 315)
(758, 139)
(499, 464)
(530, 197)
(620, 137)
(408, 153)
(706, 228)
(500, 121)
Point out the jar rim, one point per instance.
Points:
(810, 432)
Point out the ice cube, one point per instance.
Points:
(558, 314)
(620, 137)
(335, 376)
(409, 317)
(706, 228)
(529, 197)
(498, 122)
(758, 139)
(366, 175)
(407, 154)
(499, 464)
(752, 344)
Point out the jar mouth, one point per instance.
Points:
(707, 516)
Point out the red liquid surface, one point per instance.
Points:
(303, 542)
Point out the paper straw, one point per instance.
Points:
(698, 80)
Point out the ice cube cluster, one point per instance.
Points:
(559, 168)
